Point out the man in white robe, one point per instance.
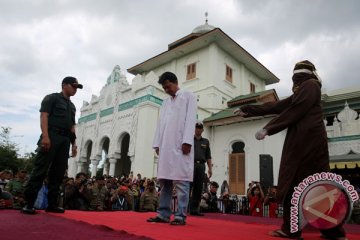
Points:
(173, 141)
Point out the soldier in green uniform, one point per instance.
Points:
(57, 122)
(149, 199)
(16, 188)
(99, 194)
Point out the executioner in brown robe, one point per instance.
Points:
(305, 149)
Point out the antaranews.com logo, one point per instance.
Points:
(322, 200)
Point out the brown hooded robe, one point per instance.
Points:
(305, 150)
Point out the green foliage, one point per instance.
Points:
(29, 161)
(9, 154)
(5, 141)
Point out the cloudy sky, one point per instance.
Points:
(42, 41)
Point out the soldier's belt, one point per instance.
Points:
(60, 131)
(199, 161)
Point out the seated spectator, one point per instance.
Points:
(149, 198)
(16, 187)
(42, 200)
(6, 199)
(136, 195)
(138, 178)
(129, 194)
(5, 177)
(271, 201)
(229, 203)
(98, 194)
(256, 199)
(77, 195)
(120, 199)
(212, 199)
(111, 186)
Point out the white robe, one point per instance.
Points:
(176, 126)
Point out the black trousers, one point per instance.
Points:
(197, 186)
(52, 164)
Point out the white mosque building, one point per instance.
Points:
(115, 129)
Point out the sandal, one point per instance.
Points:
(280, 233)
(157, 220)
(177, 222)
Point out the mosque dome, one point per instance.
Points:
(204, 28)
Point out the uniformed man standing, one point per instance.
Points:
(57, 122)
(202, 155)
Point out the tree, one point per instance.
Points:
(8, 151)
(28, 161)
(5, 139)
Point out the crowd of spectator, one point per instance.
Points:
(106, 193)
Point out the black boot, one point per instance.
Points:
(55, 209)
(28, 209)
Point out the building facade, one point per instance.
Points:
(116, 128)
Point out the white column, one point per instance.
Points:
(112, 162)
(94, 164)
(79, 166)
(132, 159)
(106, 167)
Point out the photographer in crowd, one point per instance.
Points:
(256, 199)
(270, 200)
(77, 195)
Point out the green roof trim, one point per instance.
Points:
(346, 138)
(227, 113)
(331, 104)
(106, 112)
(220, 115)
(88, 118)
(132, 103)
(340, 97)
(121, 107)
(251, 95)
(336, 103)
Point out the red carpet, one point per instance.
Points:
(43, 226)
(133, 225)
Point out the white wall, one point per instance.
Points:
(222, 137)
(144, 153)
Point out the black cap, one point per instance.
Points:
(73, 81)
(199, 125)
(214, 184)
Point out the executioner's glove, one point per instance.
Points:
(260, 135)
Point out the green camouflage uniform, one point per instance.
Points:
(98, 197)
(149, 201)
(16, 188)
